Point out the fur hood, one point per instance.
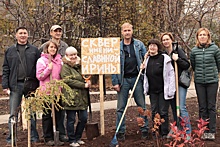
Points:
(68, 62)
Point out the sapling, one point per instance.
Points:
(157, 121)
(180, 138)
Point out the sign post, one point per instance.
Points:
(100, 56)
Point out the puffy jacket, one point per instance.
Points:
(43, 71)
(140, 51)
(11, 64)
(168, 77)
(72, 77)
(205, 64)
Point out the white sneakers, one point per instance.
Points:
(76, 144)
(208, 136)
(80, 142)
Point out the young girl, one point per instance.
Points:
(49, 64)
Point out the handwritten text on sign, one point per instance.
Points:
(100, 55)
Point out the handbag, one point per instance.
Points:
(185, 78)
(30, 83)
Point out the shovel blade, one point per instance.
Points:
(56, 138)
(92, 130)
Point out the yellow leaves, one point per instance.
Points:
(157, 122)
(42, 98)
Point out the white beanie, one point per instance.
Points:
(71, 50)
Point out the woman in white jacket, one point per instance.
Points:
(159, 82)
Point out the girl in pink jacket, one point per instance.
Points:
(48, 65)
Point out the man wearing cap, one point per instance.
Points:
(56, 34)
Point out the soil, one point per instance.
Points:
(133, 136)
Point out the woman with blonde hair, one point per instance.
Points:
(205, 61)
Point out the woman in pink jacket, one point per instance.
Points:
(48, 65)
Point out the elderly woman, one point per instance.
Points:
(205, 61)
(71, 74)
(159, 82)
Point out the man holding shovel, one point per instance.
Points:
(132, 53)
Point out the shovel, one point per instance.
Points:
(55, 132)
(92, 129)
(175, 46)
(114, 142)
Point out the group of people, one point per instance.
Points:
(158, 79)
(54, 60)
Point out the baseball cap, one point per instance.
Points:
(54, 27)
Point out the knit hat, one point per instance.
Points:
(71, 50)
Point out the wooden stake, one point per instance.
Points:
(29, 127)
(102, 122)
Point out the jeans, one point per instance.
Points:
(183, 111)
(15, 101)
(139, 98)
(206, 94)
(47, 124)
(76, 135)
(160, 105)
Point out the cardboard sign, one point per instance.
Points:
(100, 56)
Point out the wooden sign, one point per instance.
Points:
(100, 55)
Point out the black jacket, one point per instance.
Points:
(182, 62)
(11, 64)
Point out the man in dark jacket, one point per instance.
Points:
(14, 73)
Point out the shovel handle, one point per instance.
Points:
(177, 90)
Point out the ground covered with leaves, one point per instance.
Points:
(133, 136)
